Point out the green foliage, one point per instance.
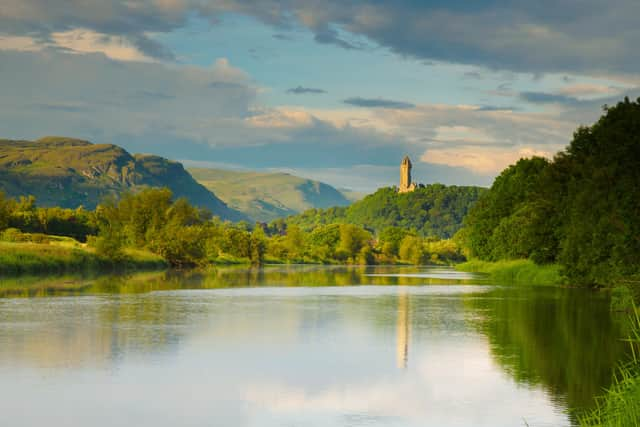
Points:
(185, 236)
(24, 215)
(519, 272)
(258, 244)
(620, 406)
(582, 210)
(390, 239)
(412, 250)
(559, 340)
(61, 257)
(151, 219)
(352, 240)
(490, 224)
(5, 212)
(179, 245)
(435, 210)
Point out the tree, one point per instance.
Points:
(294, 242)
(258, 245)
(181, 246)
(352, 240)
(5, 212)
(390, 239)
(581, 210)
(412, 250)
(516, 185)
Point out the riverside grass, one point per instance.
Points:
(520, 272)
(34, 258)
(620, 405)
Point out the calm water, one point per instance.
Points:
(300, 346)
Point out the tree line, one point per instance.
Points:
(581, 209)
(185, 235)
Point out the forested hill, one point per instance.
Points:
(265, 196)
(435, 210)
(70, 172)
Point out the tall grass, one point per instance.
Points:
(620, 405)
(34, 258)
(522, 271)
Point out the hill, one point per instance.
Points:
(71, 172)
(267, 196)
(435, 210)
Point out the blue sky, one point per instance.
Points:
(338, 91)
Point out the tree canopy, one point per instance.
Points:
(582, 209)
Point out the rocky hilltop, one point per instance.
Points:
(71, 172)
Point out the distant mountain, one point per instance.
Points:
(433, 210)
(267, 196)
(71, 172)
(351, 195)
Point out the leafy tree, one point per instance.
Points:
(352, 240)
(4, 212)
(412, 250)
(390, 238)
(581, 210)
(294, 242)
(181, 246)
(516, 185)
(258, 245)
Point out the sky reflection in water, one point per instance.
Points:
(190, 352)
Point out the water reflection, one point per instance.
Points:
(402, 346)
(252, 347)
(231, 277)
(564, 339)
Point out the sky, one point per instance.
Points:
(334, 90)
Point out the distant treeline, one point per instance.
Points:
(184, 235)
(581, 210)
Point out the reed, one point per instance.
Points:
(620, 405)
(520, 272)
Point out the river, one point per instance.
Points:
(301, 346)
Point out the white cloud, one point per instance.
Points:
(589, 90)
(78, 41)
(280, 118)
(19, 43)
(462, 133)
(485, 160)
(445, 388)
(82, 40)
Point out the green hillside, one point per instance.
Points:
(434, 210)
(70, 172)
(267, 196)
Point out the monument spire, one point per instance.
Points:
(405, 176)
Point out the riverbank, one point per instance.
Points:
(620, 405)
(517, 272)
(37, 258)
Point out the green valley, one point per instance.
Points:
(264, 196)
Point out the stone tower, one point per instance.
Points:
(405, 176)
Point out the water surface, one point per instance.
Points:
(300, 346)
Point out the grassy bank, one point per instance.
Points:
(620, 405)
(522, 272)
(34, 258)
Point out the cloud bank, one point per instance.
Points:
(540, 37)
